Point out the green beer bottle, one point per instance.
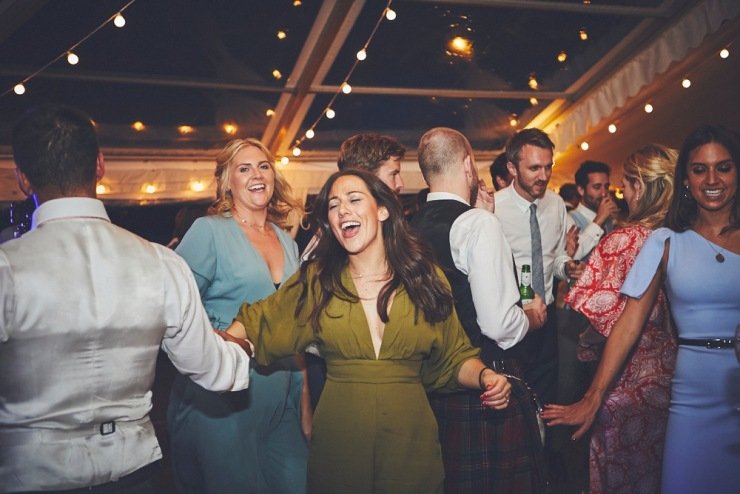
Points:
(525, 286)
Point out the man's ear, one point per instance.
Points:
(99, 167)
(581, 190)
(383, 213)
(23, 183)
(512, 169)
(468, 165)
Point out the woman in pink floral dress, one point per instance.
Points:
(629, 429)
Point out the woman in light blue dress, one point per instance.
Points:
(697, 258)
(251, 441)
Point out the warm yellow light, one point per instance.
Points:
(686, 83)
(310, 133)
(619, 194)
(185, 129)
(269, 112)
(346, 88)
(119, 20)
(296, 151)
(138, 126)
(297, 3)
(361, 55)
(330, 113)
(390, 14)
(612, 128)
(197, 186)
(532, 83)
(584, 146)
(533, 101)
(461, 46)
(586, 2)
(277, 74)
(562, 57)
(648, 108)
(724, 53)
(101, 189)
(19, 89)
(230, 128)
(281, 34)
(513, 122)
(583, 34)
(72, 59)
(149, 188)
(284, 160)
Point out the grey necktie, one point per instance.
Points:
(538, 272)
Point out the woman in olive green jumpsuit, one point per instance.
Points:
(382, 317)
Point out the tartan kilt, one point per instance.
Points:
(490, 451)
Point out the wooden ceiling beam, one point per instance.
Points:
(328, 33)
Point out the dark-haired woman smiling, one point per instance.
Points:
(383, 319)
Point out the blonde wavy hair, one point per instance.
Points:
(653, 166)
(283, 209)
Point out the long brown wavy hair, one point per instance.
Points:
(408, 259)
(284, 210)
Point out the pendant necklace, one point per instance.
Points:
(719, 257)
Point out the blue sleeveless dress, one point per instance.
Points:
(702, 450)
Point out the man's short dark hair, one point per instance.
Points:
(498, 169)
(569, 193)
(56, 146)
(588, 167)
(533, 137)
(368, 151)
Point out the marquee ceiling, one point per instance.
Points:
(211, 64)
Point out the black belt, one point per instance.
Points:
(708, 342)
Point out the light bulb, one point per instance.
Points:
(119, 20)
(138, 126)
(533, 101)
(584, 146)
(101, 189)
(185, 129)
(269, 112)
(390, 14)
(724, 53)
(361, 55)
(309, 134)
(72, 59)
(513, 122)
(583, 34)
(19, 89)
(284, 160)
(197, 186)
(346, 88)
(230, 128)
(686, 83)
(330, 113)
(562, 57)
(612, 128)
(648, 108)
(296, 151)
(277, 74)
(150, 188)
(282, 34)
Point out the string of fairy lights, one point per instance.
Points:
(344, 88)
(117, 19)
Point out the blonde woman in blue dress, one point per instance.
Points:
(252, 441)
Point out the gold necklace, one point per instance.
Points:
(260, 228)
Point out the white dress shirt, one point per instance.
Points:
(480, 251)
(512, 210)
(84, 308)
(588, 237)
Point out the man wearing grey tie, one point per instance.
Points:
(534, 221)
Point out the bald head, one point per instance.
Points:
(441, 152)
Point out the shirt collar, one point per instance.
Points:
(519, 201)
(440, 196)
(68, 207)
(585, 212)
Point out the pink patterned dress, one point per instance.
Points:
(629, 431)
